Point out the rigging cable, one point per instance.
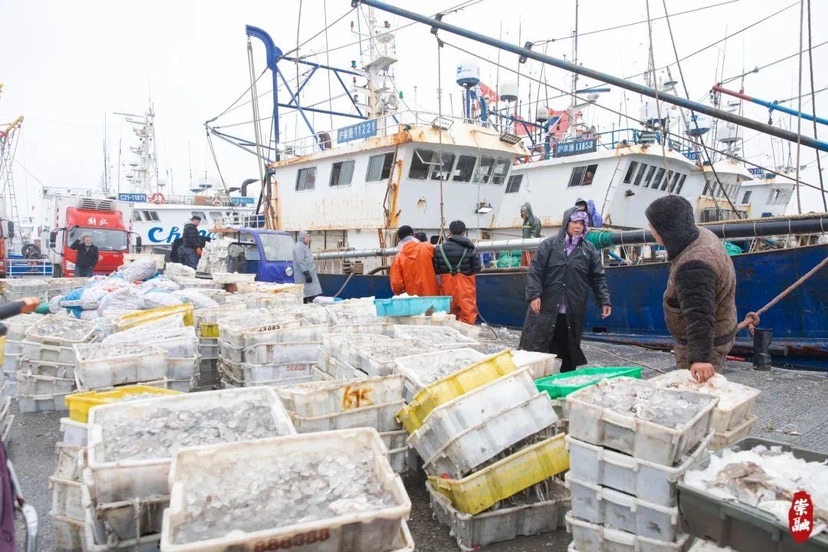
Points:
(651, 64)
(813, 104)
(799, 105)
(771, 64)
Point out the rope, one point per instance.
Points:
(625, 359)
(799, 107)
(440, 135)
(813, 103)
(793, 286)
(348, 279)
(662, 130)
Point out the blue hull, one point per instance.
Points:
(799, 322)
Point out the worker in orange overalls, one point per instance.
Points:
(456, 262)
(412, 270)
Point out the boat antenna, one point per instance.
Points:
(813, 104)
(799, 106)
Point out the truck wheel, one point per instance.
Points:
(56, 271)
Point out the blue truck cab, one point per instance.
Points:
(266, 253)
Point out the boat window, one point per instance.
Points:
(199, 214)
(681, 183)
(379, 167)
(136, 216)
(342, 173)
(442, 166)
(641, 172)
(306, 179)
(650, 174)
(215, 215)
(514, 183)
(484, 171)
(500, 171)
(676, 178)
(582, 176)
(421, 163)
(465, 168)
(657, 179)
(630, 172)
(746, 198)
(277, 247)
(666, 181)
(152, 214)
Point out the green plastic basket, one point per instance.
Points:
(556, 386)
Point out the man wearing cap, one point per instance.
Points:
(192, 242)
(563, 270)
(412, 270)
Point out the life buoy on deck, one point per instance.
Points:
(217, 202)
(157, 198)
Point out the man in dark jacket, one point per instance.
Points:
(700, 299)
(557, 287)
(531, 229)
(86, 257)
(456, 263)
(191, 243)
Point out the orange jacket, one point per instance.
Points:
(412, 270)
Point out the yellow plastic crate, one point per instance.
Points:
(2, 349)
(452, 386)
(79, 404)
(482, 490)
(144, 317)
(209, 329)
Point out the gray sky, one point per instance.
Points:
(67, 65)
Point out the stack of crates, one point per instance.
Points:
(15, 289)
(206, 326)
(347, 404)
(16, 328)
(488, 440)
(624, 466)
(46, 374)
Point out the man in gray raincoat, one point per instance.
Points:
(531, 229)
(304, 269)
(563, 270)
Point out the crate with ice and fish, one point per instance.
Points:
(436, 337)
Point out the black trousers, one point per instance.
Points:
(561, 340)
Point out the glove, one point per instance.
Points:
(308, 278)
(198, 252)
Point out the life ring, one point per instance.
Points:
(217, 202)
(157, 198)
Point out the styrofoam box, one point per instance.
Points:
(634, 436)
(648, 481)
(44, 368)
(339, 369)
(126, 479)
(144, 365)
(42, 403)
(66, 498)
(426, 333)
(735, 400)
(411, 367)
(499, 525)
(74, 433)
(31, 386)
(484, 441)
(264, 373)
(182, 368)
(589, 537)
(69, 460)
(451, 419)
(374, 531)
(618, 510)
(49, 353)
(283, 353)
(125, 520)
(303, 334)
(722, 440)
(320, 399)
(373, 364)
(540, 364)
(382, 417)
(233, 330)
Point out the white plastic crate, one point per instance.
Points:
(68, 460)
(373, 531)
(105, 365)
(332, 397)
(618, 510)
(44, 368)
(233, 330)
(343, 346)
(482, 442)
(179, 346)
(16, 326)
(589, 537)
(232, 277)
(182, 368)
(437, 337)
(282, 353)
(208, 348)
(29, 385)
(13, 347)
(419, 370)
(382, 417)
(338, 369)
(91, 542)
(49, 353)
(398, 458)
(735, 400)
(126, 520)
(69, 533)
(158, 327)
(632, 435)
(74, 433)
(11, 363)
(723, 440)
(380, 359)
(55, 329)
(125, 479)
(303, 334)
(212, 314)
(41, 403)
(262, 374)
(354, 313)
(540, 364)
(183, 385)
(179, 341)
(646, 480)
(394, 439)
(230, 352)
(66, 498)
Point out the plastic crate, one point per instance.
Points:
(304, 334)
(556, 386)
(92, 540)
(332, 397)
(380, 359)
(437, 337)
(345, 345)
(282, 353)
(419, 369)
(16, 326)
(80, 403)
(69, 533)
(49, 353)
(182, 368)
(185, 311)
(29, 385)
(485, 440)
(589, 537)
(70, 330)
(232, 277)
(11, 347)
(127, 520)
(724, 440)
(233, 330)
(540, 365)
(372, 531)
(208, 348)
(123, 364)
(66, 498)
(338, 369)
(469, 410)
(126, 479)
(735, 400)
(646, 480)
(739, 525)
(379, 416)
(69, 460)
(485, 488)
(503, 524)
(44, 368)
(41, 403)
(635, 436)
(74, 433)
(261, 374)
(450, 387)
(618, 510)
(412, 306)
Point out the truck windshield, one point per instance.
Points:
(104, 239)
(277, 247)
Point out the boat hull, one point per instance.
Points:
(799, 322)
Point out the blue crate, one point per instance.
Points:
(411, 306)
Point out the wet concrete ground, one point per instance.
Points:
(792, 409)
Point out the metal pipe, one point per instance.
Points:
(773, 106)
(525, 53)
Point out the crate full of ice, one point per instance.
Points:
(322, 398)
(108, 364)
(132, 443)
(331, 492)
(639, 419)
(379, 359)
(436, 337)
(422, 370)
(56, 329)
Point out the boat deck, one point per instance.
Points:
(792, 408)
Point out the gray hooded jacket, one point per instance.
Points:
(303, 263)
(531, 224)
